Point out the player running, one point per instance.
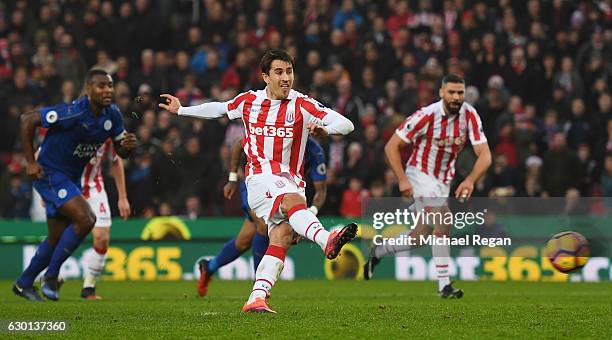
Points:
(92, 183)
(277, 121)
(253, 232)
(438, 132)
(75, 132)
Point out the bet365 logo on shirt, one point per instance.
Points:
(271, 131)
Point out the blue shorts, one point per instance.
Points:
(245, 201)
(56, 189)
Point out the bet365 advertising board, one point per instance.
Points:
(505, 247)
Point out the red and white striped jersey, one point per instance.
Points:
(92, 180)
(438, 137)
(276, 131)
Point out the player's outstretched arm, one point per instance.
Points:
(394, 158)
(325, 121)
(337, 124)
(29, 122)
(207, 110)
(482, 151)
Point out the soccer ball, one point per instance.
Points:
(567, 251)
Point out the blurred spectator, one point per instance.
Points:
(68, 61)
(192, 208)
(589, 167)
(16, 197)
(189, 94)
(532, 186)
(561, 169)
(568, 78)
(355, 165)
(577, 127)
(352, 199)
(346, 12)
(506, 144)
(504, 177)
(192, 169)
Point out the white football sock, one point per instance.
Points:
(94, 268)
(268, 272)
(305, 223)
(441, 256)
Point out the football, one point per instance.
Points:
(567, 251)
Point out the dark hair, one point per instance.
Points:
(452, 78)
(94, 72)
(270, 56)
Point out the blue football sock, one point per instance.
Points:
(67, 244)
(228, 254)
(39, 262)
(259, 245)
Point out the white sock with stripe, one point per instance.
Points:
(268, 272)
(441, 256)
(305, 223)
(95, 266)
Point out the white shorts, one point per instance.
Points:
(265, 194)
(98, 201)
(427, 190)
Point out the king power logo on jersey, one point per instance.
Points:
(271, 131)
(86, 150)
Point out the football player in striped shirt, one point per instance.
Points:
(253, 233)
(277, 121)
(92, 183)
(437, 132)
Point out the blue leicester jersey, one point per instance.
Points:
(314, 165)
(74, 134)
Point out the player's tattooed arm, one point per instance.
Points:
(235, 156)
(320, 194)
(125, 145)
(29, 122)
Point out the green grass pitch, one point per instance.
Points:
(323, 309)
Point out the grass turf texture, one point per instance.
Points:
(316, 308)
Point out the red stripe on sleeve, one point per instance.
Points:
(312, 109)
(428, 142)
(294, 157)
(246, 113)
(238, 100)
(474, 124)
(442, 148)
(421, 123)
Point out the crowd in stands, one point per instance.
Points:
(539, 73)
